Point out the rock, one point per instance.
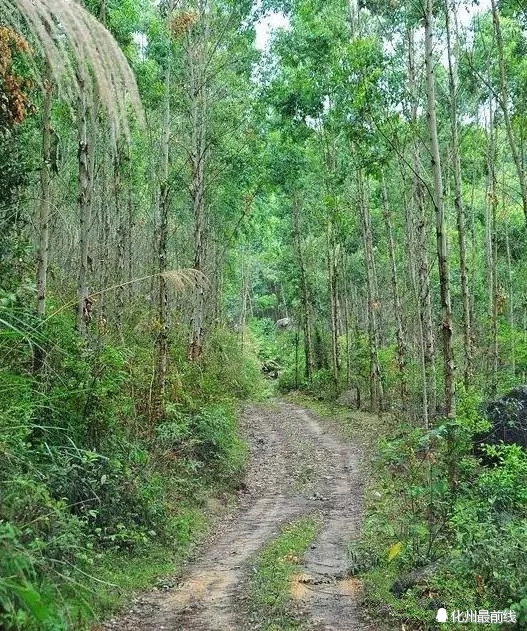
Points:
(271, 369)
(283, 323)
(415, 577)
(430, 604)
(508, 416)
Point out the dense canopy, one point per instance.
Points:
(188, 221)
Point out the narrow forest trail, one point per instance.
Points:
(299, 466)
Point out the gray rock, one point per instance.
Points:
(418, 576)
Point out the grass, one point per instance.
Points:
(270, 600)
(117, 576)
(124, 575)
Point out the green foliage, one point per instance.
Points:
(206, 442)
(227, 373)
(21, 603)
(86, 476)
(82, 474)
(322, 385)
(435, 502)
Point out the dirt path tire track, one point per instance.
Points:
(298, 466)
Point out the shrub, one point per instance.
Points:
(83, 473)
(434, 501)
(208, 438)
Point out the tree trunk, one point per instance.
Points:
(458, 203)
(129, 237)
(490, 193)
(493, 243)
(45, 199)
(106, 241)
(163, 203)
(413, 266)
(84, 302)
(504, 105)
(347, 329)
(419, 226)
(246, 289)
(442, 246)
(304, 290)
(512, 322)
(495, 303)
(401, 342)
(121, 237)
(197, 57)
(333, 293)
(376, 388)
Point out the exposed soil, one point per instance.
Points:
(299, 466)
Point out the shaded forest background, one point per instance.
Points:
(168, 192)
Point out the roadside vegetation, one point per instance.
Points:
(444, 526)
(96, 501)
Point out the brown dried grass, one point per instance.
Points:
(183, 279)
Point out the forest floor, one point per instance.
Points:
(301, 465)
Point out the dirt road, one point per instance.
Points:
(299, 466)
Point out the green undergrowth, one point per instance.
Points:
(97, 500)
(270, 589)
(444, 528)
(120, 576)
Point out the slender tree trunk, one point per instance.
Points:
(246, 288)
(333, 293)
(458, 203)
(121, 237)
(104, 258)
(492, 252)
(304, 289)
(129, 237)
(45, 199)
(107, 241)
(442, 246)
(490, 194)
(495, 301)
(84, 302)
(493, 195)
(512, 322)
(163, 203)
(347, 330)
(421, 280)
(413, 265)
(197, 55)
(376, 388)
(401, 341)
(504, 105)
